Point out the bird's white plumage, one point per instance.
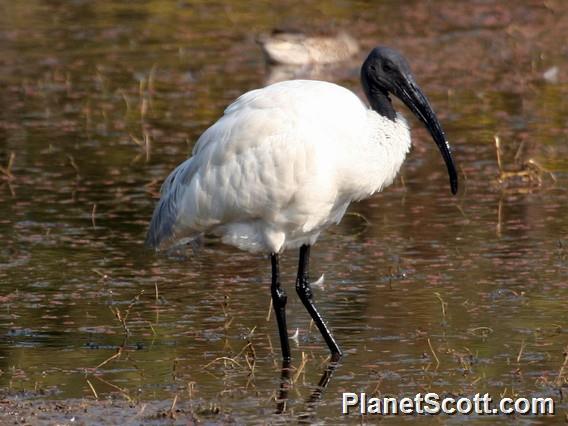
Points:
(279, 166)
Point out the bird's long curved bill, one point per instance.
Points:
(414, 99)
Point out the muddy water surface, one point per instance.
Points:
(424, 291)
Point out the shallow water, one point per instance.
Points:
(479, 279)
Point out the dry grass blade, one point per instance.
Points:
(269, 311)
(171, 412)
(222, 358)
(190, 390)
(245, 347)
(500, 218)
(7, 171)
(126, 101)
(122, 391)
(141, 88)
(521, 350)
(136, 140)
(434, 353)
(523, 176)
(122, 318)
(93, 213)
(100, 274)
(300, 368)
(109, 359)
(480, 331)
(93, 389)
(442, 303)
(144, 143)
(498, 152)
(562, 372)
(151, 79)
(73, 164)
(147, 145)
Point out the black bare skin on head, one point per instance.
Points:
(383, 72)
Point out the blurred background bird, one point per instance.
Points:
(297, 48)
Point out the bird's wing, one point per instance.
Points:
(252, 100)
(259, 161)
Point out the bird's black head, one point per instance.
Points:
(382, 73)
(386, 71)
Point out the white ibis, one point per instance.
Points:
(284, 162)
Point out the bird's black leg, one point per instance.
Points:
(279, 304)
(305, 292)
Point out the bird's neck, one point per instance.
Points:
(381, 103)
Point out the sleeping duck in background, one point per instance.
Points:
(292, 47)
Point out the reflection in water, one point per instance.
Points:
(315, 398)
(285, 385)
(308, 415)
(76, 89)
(328, 72)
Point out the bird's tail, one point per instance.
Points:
(162, 232)
(161, 227)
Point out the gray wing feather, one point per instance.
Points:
(163, 223)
